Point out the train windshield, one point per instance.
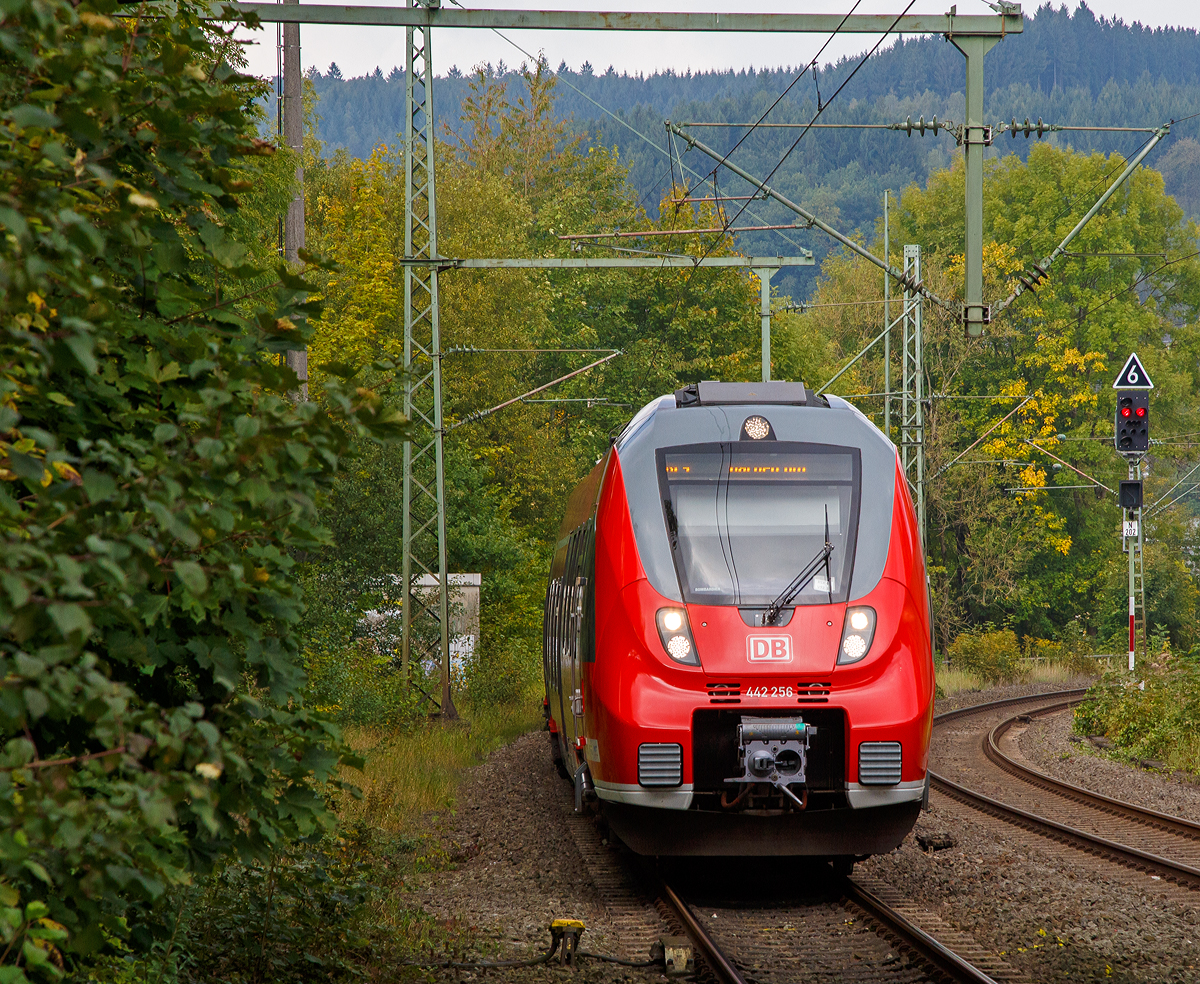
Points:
(745, 520)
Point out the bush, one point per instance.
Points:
(156, 482)
(1160, 722)
(1072, 650)
(994, 656)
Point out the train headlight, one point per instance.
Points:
(857, 634)
(756, 428)
(676, 636)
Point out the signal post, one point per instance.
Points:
(1131, 435)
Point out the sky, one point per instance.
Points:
(359, 50)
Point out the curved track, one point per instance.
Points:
(1157, 843)
(843, 931)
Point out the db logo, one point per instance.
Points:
(769, 649)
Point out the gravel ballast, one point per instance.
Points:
(1047, 745)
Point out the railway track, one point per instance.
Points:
(1156, 843)
(838, 929)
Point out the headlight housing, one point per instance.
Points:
(676, 636)
(857, 634)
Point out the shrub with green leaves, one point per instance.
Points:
(155, 481)
(1160, 721)
(995, 656)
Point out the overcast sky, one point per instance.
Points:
(358, 50)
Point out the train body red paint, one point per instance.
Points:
(737, 633)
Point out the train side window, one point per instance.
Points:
(588, 633)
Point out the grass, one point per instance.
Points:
(415, 771)
(953, 680)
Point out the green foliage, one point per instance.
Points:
(993, 656)
(1051, 70)
(1011, 540)
(156, 479)
(294, 916)
(1072, 650)
(514, 181)
(354, 664)
(1161, 721)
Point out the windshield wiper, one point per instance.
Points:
(672, 523)
(787, 594)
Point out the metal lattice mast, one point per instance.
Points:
(426, 616)
(912, 400)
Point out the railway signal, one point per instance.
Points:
(1131, 495)
(1131, 430)
(1131, 436)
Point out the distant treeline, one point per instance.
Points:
(1066, 69)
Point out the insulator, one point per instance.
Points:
(908, 126)
(1026, 127)
(1041, 127)
(934, 124)
(922, 124)
(1012, 128)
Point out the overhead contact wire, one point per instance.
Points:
(811, 64)
(612, 115)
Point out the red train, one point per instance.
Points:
(737, 630)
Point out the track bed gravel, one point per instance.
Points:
(524, 859)
(1052, 912)
(1047, 745)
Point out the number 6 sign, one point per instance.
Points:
(1133, 376)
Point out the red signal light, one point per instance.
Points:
(1141, 411)
(1125, 411)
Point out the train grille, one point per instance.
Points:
(878, 763)
(813, 693)
(724, 693)
(660, 764)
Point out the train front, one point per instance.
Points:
(763, 680)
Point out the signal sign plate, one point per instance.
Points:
(1133, 376)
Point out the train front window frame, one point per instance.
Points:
(729, 507)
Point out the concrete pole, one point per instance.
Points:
(975, 139)
(764, 281)
(293, 136)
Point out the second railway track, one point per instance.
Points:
(981, 768)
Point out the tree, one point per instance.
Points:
(156, 479)
(1005, 546)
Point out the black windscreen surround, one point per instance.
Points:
(744, 520)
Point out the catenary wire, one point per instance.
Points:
(811, 64)
(820, 109)
(615, 117)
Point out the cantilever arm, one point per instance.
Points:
(1030, 281)
(894, 272)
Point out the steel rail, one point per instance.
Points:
(1108, 804)
(891, 922)
(995, 705)
(914, 937)
(726, 972)
(1132, 857)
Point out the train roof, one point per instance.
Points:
(712, 412)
